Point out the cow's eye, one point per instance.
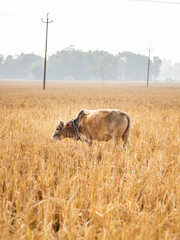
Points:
(57, 129)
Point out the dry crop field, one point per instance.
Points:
(64, 190)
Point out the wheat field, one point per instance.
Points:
(65, 190)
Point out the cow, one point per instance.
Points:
(100, 124)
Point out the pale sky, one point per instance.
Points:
(110, 25)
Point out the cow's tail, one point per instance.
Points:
(125, 135)
(126, 132)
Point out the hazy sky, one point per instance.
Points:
(110, 25)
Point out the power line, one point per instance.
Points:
(8, 8)
(7, 3)
(8, 13)
(45, 60)
(153, 1)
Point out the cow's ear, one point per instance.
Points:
(61, 124)
(68, 124)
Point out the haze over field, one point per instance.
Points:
(113, 26)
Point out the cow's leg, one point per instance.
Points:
(115, 141)
(87, 140)
(126, 141)
(90, 144)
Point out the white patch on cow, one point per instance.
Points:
(52, 139)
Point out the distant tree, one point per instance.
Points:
(103, 70)
(95, 72)
(80, 66)
(176, 73)
(24, 63)
(9, 67)
(166, 70)
(36, 70)
(156, 65)
(20, 66)
(1, 59)
(134, 66)
(1, 66)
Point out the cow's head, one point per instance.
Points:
(64, 130)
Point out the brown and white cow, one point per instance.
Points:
(100, 124)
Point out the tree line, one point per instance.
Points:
(72, 64)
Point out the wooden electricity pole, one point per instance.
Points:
(45, 59)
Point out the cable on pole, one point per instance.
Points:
(155, 1)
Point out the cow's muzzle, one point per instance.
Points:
(52, 139)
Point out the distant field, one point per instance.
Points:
(63, 190)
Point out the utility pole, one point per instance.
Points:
(45, 59)
(148, 66)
